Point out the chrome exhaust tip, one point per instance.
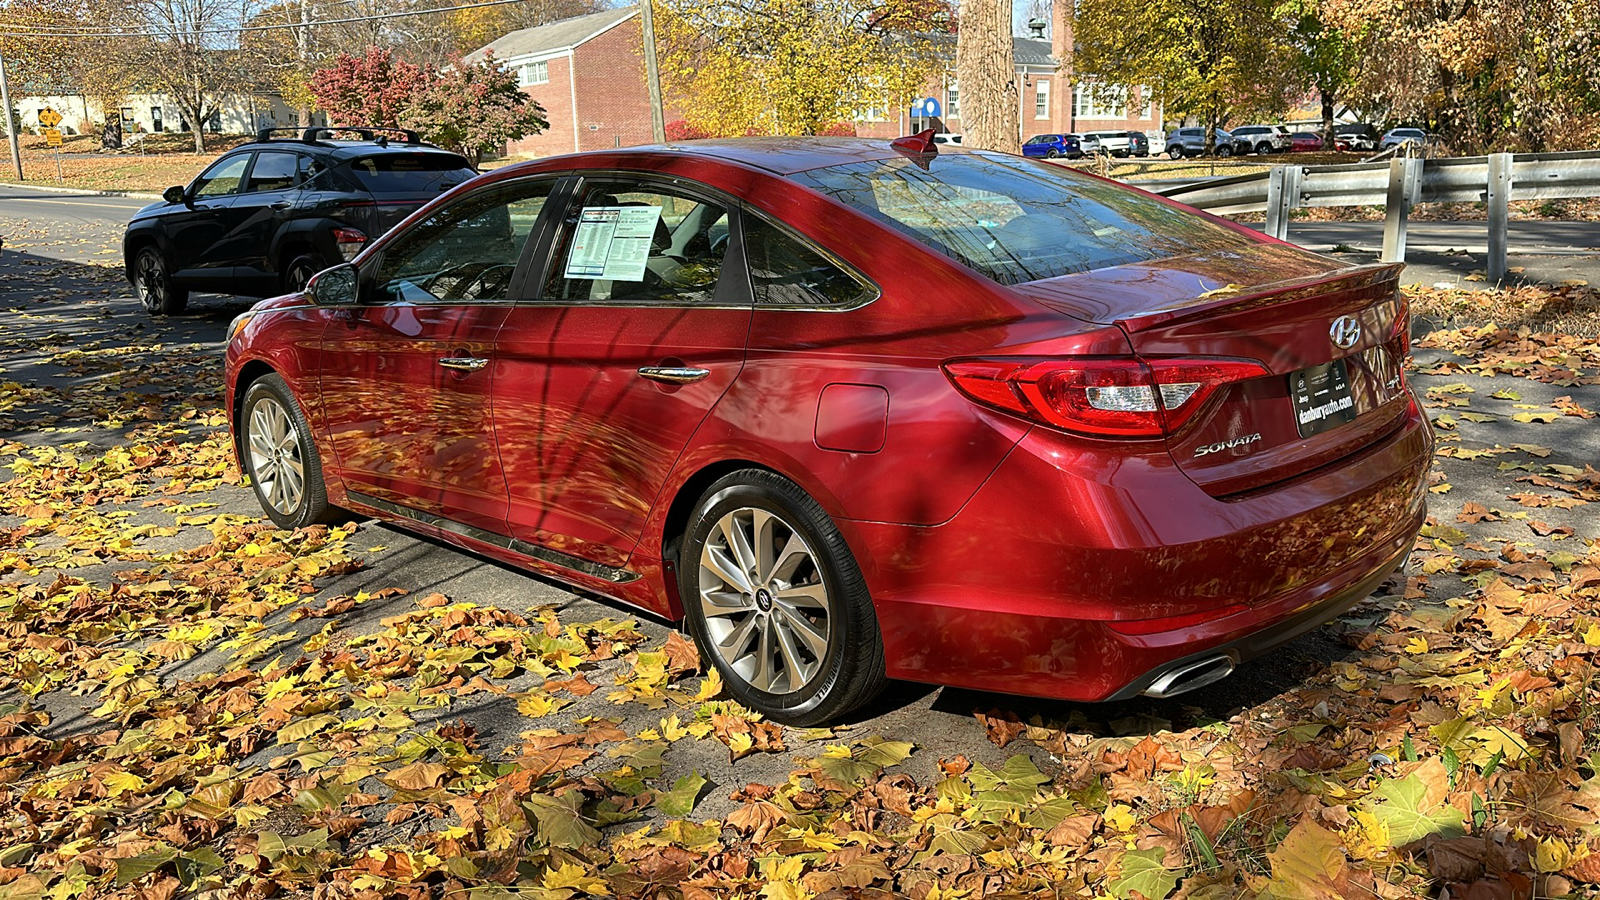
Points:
(1189, 676)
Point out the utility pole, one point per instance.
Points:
(302, 40)
(11, 124)
(652, 75)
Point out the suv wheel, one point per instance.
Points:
(776, 602)
(299, 271)
(1223, 150)
(1175, 152)
(154, 285)
(280, 456)
(1052, 153)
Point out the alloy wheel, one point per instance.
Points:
(275, 461)
(765, 604)
(151, 281)
(300, 272)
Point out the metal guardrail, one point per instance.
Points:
(1401, 184)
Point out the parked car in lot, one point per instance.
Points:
(712, 382)
(1401, 136)
(269, 214)
(1261, 139)
(1052, 146)
(1192, 142)
(1113, 143)
(1358, 137)
(1088, 144)
(1305, 141)
(1157, 141)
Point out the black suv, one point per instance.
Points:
(268, 215)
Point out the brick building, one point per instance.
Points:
(588, 74)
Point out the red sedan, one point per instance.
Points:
(855, 410)
(1305, 141)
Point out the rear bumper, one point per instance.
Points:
(1072, 578)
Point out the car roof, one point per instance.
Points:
(782, 155)
(345, 149)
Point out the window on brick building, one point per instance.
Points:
(1041, 100)
(1095, 101)
(952, 101)
(534, 73)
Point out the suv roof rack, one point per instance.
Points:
(377, 134)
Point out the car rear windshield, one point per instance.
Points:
(1015, 220)
(398, 173)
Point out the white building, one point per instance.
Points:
(241, 113)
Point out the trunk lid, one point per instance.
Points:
(1319, 401)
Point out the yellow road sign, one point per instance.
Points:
(49, 118)
(52, 137)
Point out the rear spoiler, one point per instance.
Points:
(1224, 301)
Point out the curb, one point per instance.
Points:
(50, 189)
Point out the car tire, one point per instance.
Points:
(1052, 154)
(153, 283)
(809, 614)
(299, 271)
(274, 441)
(1224, 152)
(1175, 152)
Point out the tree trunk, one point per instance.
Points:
(1327, 119)
(987, 73)
(199, 126)
(111, 132)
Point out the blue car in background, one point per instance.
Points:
(1052, 146)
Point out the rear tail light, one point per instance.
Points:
(1110, 397)
(1399, 340)
(350, 241)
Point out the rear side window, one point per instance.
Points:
(1017, 220)
(396, 173)
(273, 171)
(786, 271)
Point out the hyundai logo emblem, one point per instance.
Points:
(1345, 332)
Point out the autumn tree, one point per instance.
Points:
(187, 50)
(469, 108)
(986, 70)
(1487, 74)
(375, 88)
(1325, 57)
(1201, 58)
(473, 108)
(791, 66)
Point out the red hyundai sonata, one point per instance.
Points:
(855, 410)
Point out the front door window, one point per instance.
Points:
(221, 179)
(464, 252)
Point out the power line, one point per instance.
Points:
(185, 32)
(47, 30)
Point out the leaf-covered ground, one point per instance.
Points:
(195, 703)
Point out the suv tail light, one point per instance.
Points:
(350, 241)
(1107, 397)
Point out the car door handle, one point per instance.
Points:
(673, 374)
(281, 204)
(463, 363)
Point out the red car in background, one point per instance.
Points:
(1305, 141)
(855, 410)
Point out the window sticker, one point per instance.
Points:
(612, 242)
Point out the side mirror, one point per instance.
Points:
(338, 286)
(175, 194)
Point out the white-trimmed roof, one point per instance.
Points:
(554, 37)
